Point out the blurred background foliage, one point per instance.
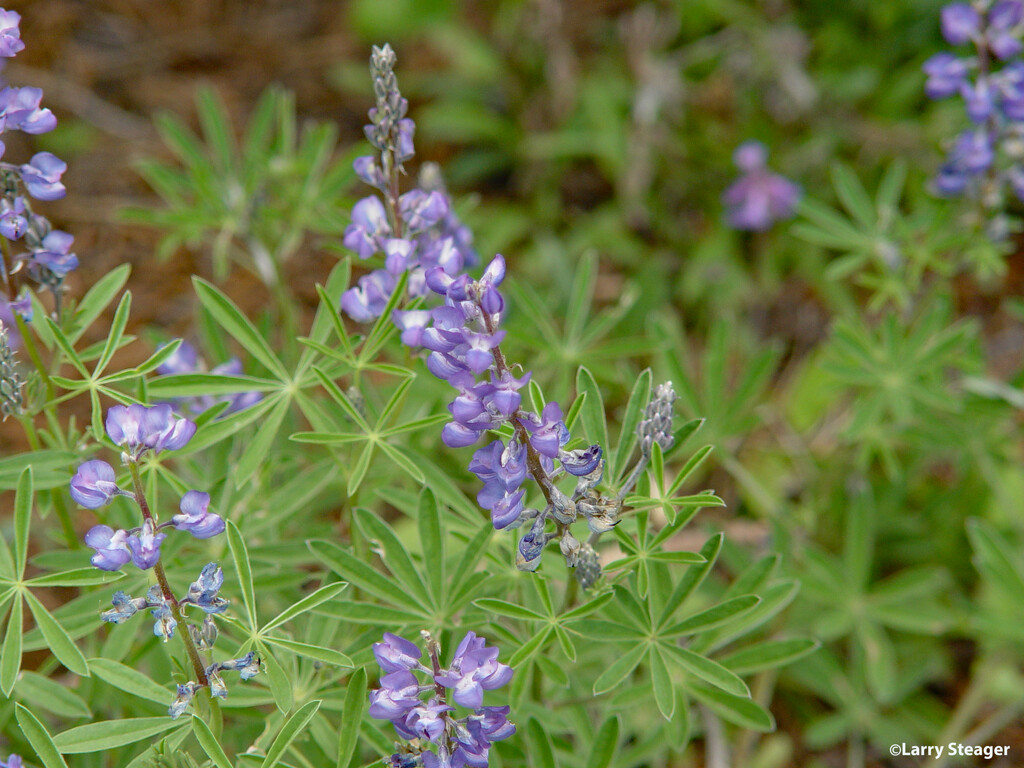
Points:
(859, 369)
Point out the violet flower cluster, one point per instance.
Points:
(759, 197)
(139, 430)
(45, 253)
(463, 741)
(462, 338)
(985, 158)
(186, 360)
(13, 760)
(414, 232)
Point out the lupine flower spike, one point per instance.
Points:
(985, 159)
(460, 741)
(139, 430)
(462, 338)
(45, 253)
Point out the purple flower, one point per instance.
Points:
(427, 721)
(421, 210)
(493, 723)
(365, 302)
(248, 666)
(54, 253)
(139, 428)
(550, 434)
(13, 760)
(13, 223)
(183, 699)
(396, 653)
(758, 198)
(124, 607)
(111, 547)
(369, 171)
(581, 462)
(412, 323)
(403, 140)
(979, 99)
(93, 485)
(474, 669)
(21, 111)
(530, 549)
(41, 176)
(369, 225)
(195, 517)
(507, 510)
(145, 546)
(397, 695)
(1003, 33)
(203, 591)
(946, 75)
(960, 23)
(164, 623)
(10, 35)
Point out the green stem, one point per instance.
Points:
(165, 587)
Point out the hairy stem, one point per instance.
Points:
(165, 587)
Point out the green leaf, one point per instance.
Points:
(280, 684)
(395, 556)
(199, 384)
(542, 754)
(587, 608)
(428, 521)
(714, 617)
(94, 737)
(240, 554)
(608, 631)
(707, 670)
(10, 658)
(366, 613)
(37, 735)
(209, 743)
(238, 326)
(288, 733)
(130, 680)
(256, 451)
(738, 710)
(619, 669)
(57, 638)
(117, 327)
(853, 196)
(77, 577)
(362, 575)
(592, 413)
(606, 743)
(692, 578)
(50, 469)
(98, 298)
(65, 346)
(406, 464)
(530, 647)
(996, 559)
(769, 654)
(352, 717)
(308, 603)
(504, 608)
(22, 518)
(638, 400)
(327, 655)
(50, 695)
(661, 681)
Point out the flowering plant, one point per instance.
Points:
(420, 475)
